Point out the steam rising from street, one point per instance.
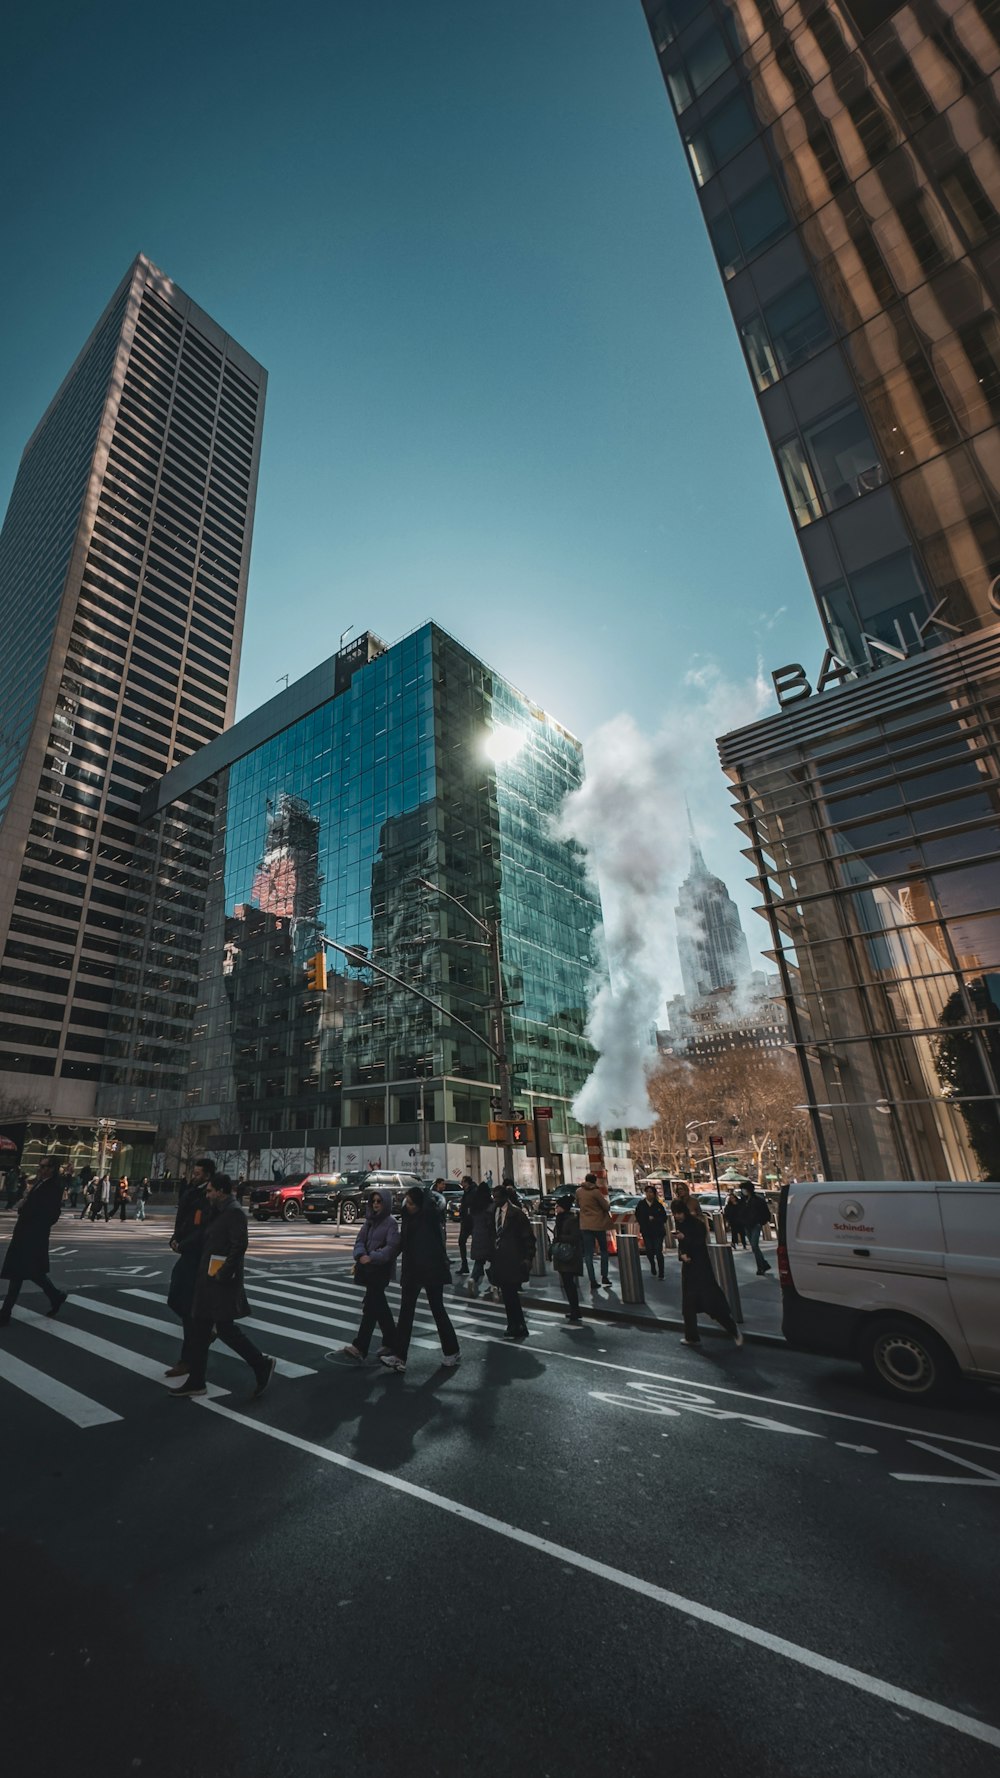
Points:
(630, 820)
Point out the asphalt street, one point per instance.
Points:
(598, 1548)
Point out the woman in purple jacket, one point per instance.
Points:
(375, 1253)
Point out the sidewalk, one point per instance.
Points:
(760, 1298)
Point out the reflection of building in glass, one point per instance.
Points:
(847, 164)
(874, 817)
(333, 799)
(123, 566)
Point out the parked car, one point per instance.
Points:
(453, 1202)
(275, 1198)
(900, 1277)
(322, 1194)
(347, 1202)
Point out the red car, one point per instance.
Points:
(276, 1197)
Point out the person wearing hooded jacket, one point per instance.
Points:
(425, 1267)
(595, 1221)
(513, 1252)
(375, 1253)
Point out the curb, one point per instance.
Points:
(648, 1323)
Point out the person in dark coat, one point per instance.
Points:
(480, 1234)
(700, 1294)
(425, 1267)
(567, 1253)
(375, 1253)
(189, 1229)
(734, 1216)
(513, 1253)
(469, 1190)
(121, 1199)
(757, 1211)
(219, 1299)
(651, 1215)
(27, 1256)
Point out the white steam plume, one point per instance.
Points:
(629, 818)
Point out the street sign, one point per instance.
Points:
(543, 1111)
(496, 1103)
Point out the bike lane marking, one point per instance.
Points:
(769, 1401)
(854, 1677)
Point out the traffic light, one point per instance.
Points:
(316, 973)
(519, 1133)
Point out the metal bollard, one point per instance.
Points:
(719, 1226)
(724, 1268)
(630, 1269)
(540, 1233)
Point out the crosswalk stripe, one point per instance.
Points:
(350, 1302)
(58, 1396)
(88, 1342)
(285, 1367)
(423, 1321)
(473, 1307)
(294, 1333)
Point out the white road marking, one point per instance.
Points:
(691, 1608)
(311, 1295)
(770, 1401)
(668, 1400)
(120, 1355)
(172, 1328)
(294, 1333)
(58, 1396)
(983, 1478)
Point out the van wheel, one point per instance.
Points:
(905, 1359)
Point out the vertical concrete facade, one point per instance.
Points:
(123, 569)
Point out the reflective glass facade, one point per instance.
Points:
(873, 812)
(331, 802)
(847, 160)
(123, 566)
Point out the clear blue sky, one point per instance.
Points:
(505, 390)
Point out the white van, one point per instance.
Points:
(904, 1277)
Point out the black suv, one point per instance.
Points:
(322, 1194)
(343, 1196)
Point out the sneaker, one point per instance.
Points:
(574, 1321)
(452, 1359)
(686, 1342)
(516, 1337)
(595, 1286)
(187, 1389)
(351, 1352)
(178, 1370)
(391, 1362)
(63, 1294)
(264, 1377)
(737, 1338)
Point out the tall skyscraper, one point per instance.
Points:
(338, 802)
(123, 572)
(846, 160)
(711, 944)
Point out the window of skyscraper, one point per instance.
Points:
(722, 135)
(754, 221)
(833, 463)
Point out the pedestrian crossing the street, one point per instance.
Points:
(70, 1365)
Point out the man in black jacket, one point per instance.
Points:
(27, 1257)
(513, 1252)
(469, 1189)
(189, 1229)
(219, 1299)
(757, 1212)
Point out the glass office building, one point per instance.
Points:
(847, 162)
(123, 567)
(873, 815)
(381, 767)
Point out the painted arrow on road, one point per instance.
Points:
(983, 1478)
